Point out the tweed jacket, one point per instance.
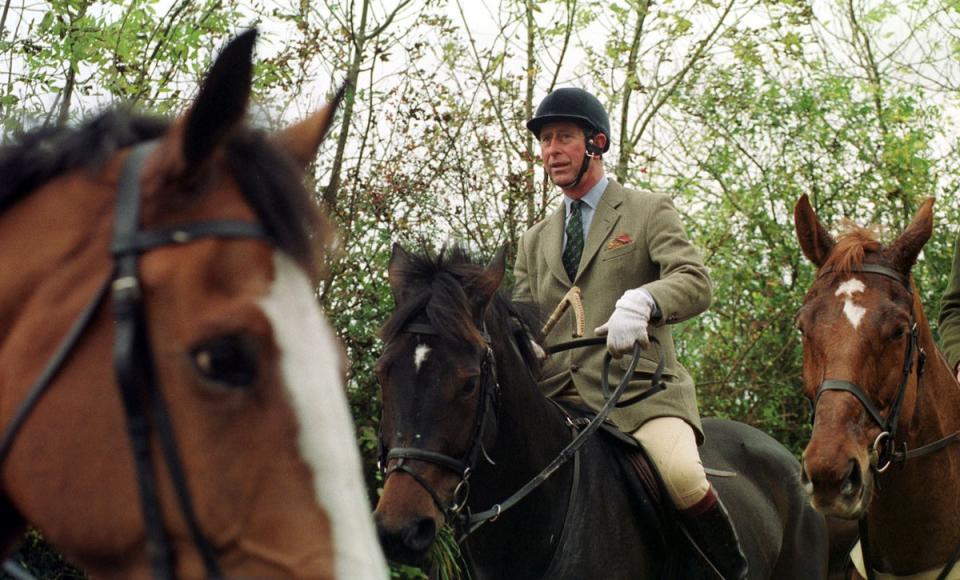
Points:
(635, 240)
(949, 321)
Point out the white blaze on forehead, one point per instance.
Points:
(420, 355)
(309, 359)
(847, 290)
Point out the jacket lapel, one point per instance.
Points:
(552, 246)
(605, 218)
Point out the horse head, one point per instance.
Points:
(860, 323)
(224, 268)
(439, 393)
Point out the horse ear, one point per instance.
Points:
(815, 242)
(222, 102)
(485, 284)
(301, 140)
(903, 252)
(396, 271)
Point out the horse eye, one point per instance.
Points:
(470, 385)
(230, 361)
(898, 333)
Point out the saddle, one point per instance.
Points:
(659, 517)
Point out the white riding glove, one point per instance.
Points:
(628, 323)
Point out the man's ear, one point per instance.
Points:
(600, 140)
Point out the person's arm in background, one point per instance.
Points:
(949, 321)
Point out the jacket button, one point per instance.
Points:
(574, 368)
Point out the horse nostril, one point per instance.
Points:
(854, 479)
(419, 535)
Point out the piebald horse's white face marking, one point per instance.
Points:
(847, 290)
(310, 364)
(420, 355)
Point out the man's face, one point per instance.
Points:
(562, 150)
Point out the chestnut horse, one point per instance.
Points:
(887, 407)
(465, 427)
(158, 278)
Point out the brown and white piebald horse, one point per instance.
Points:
(174, 267)
(887, 407)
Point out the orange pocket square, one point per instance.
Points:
(619, 241)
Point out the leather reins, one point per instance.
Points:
(142, 398)
(473, 521)
(884, 452)
(469, 522)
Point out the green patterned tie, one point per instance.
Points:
(571, 253)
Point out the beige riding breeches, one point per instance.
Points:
(672, 446)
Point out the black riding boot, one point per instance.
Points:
(712, 530)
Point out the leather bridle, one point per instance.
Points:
(142, 398)
(484, 424)
(467, 523)
(884, 451)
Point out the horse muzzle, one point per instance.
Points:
(408, 543)
(840, 489)
(407, 520)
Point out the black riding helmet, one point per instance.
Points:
(572, 104)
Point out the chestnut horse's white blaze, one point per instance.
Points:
(847, 290)
(311, 368)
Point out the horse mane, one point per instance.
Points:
(270, 181)
(41, 154)
(436, 287)
(852, 246)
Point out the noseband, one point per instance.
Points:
(464, 465)
(883, 453)
(142, 399)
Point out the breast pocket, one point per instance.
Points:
(613, 254)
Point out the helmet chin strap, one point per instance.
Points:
(593, 152)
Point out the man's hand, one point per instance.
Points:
(628, 323)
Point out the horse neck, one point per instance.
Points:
(531, 430)
(932, 402)
(911, 495)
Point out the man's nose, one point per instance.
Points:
(547, 149)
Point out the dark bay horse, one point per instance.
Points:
(887, 406)
(171, 396)
(458, 392)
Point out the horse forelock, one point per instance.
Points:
(851, 249)
(434, 288)
(273, 185)
(269, 180)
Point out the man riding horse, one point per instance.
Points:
(628, 253)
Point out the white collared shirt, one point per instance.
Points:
(589, 207)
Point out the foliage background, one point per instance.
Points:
(734, 107)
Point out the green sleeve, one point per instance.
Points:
(521, 284)
(949, 321)
(683, 289)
